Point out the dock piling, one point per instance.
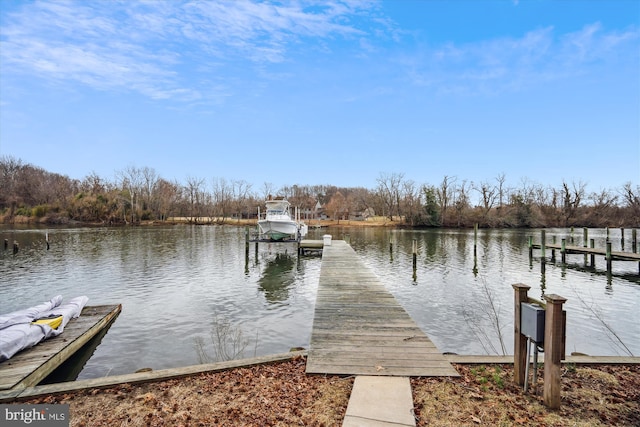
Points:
(475, 239)
(553, 349)
(414, 250)
(585, 240)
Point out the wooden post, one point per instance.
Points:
(543, 244)
(6, 243)
(592, 245)
(246, 244)
(530, 247)
(607, 233)
(585, 241)
(553, 350)
(520, 356)
(46, 239)
(16, 248)
(475, 239)
(572, 235)
(414, 250)
(608, 256)
(622, 238)
(347, 238)
(553, 250)
(563, 250)
(634, 240)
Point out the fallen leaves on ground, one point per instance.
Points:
(592, 395)
(281, 394)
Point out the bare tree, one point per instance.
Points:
(131, 182)
(572, 197)
(389, 192)
(444, 195)
(501, 179)
(632, 200)
(488, 195)
(411, 203)
(267, 190)
(194, 194)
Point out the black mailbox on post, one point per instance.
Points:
(532, 322)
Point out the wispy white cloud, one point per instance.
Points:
(151, 47)
(509, 64)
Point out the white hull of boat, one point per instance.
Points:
(278, 229)
(278, 223)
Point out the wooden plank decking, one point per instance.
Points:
(615, 255)
(359, 328)
(30, 366)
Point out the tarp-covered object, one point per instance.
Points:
(17, 331)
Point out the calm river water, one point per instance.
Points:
(179, 284)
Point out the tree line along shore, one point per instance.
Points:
(30, 194)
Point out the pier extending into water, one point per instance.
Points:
(588, 251)
(359, 328)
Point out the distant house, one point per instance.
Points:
(363, 215)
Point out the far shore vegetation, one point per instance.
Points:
(139, 195)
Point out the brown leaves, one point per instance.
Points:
(281, 394)
(487, 395)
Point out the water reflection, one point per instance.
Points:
(277, 277)
(172, 280)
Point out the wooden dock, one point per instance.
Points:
(29, 367)
(359, 328)
(615, 255)
(608, 254)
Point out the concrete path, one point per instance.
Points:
(378, 401)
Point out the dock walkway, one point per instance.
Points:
(359, 328)
(615, 255)
(28, 367)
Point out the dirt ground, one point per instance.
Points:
(281, 394)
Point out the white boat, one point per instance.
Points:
(278, 224)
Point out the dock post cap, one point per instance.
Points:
(326, 239)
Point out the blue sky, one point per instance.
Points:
(325, 92)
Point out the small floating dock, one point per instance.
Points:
(359, 328)
(32, 365)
